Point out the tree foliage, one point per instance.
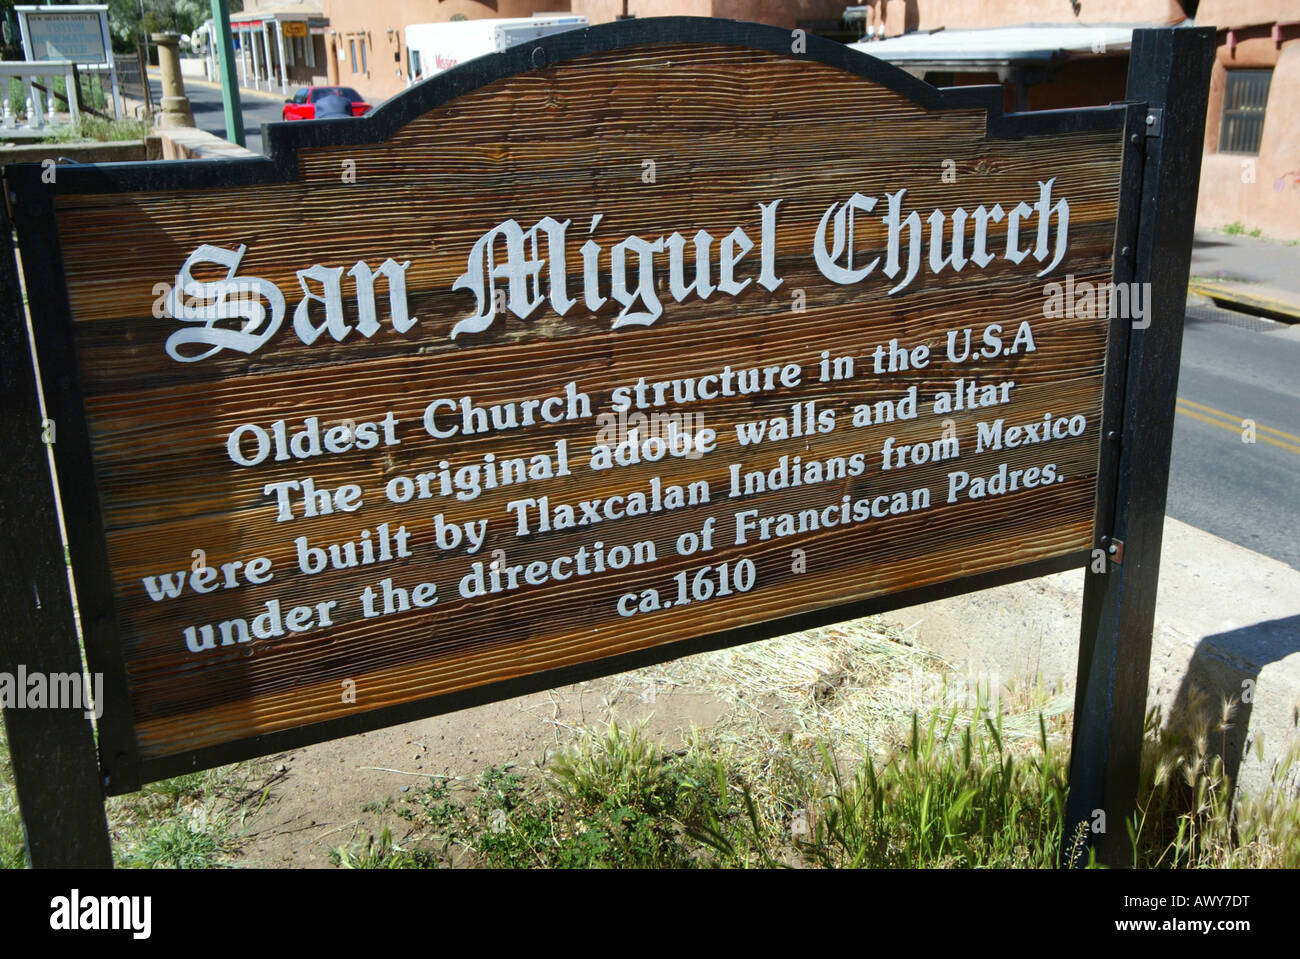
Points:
(127, 19)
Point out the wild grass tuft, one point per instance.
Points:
(98, 129)
(1188, 815)
(13, 854)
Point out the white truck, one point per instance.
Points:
(434, 47)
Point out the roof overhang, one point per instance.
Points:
(1033, 45)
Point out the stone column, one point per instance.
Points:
(175, 105)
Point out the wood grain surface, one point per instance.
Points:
(727, 129)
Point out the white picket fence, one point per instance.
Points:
(42, 110)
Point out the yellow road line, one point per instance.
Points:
(1236, 419)
(1234, 425)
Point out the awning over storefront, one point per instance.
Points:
(307, 10)
(265, 58)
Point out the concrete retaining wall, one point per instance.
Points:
(150, 148)
(187, 143)
(1227, 625)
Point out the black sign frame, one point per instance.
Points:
(1141, 376)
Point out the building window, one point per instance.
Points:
(364, 69)
(352, 46)
(1244, 97)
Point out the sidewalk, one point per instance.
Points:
(1227, 625)
(1245, 273)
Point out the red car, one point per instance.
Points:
(303, 104)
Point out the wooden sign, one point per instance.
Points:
(636, 341)
(294, 28)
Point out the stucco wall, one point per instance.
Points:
(386, 52)
(900, 16)
(1238, 13)
(1260, 192)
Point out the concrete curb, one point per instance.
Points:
(1261, 300)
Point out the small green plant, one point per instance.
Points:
(191, 821)
(92, 94)
(1235, 228)
(637, 805)
(956, 795)
(382, 853)
(612, 800)
(96, 128)
(13, 853)
(175, 844)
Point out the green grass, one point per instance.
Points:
(104, 131)
(844, 754)
(189, 822)
(958, 793)
(194, 821)
(12, 852)
(1237, 228)
(1187, 816)
(381, 853)
(614, 801)
(93, 94)
(175, 844)
(89, 127)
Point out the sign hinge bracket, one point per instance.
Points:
(1116, 550)
(1155, 121)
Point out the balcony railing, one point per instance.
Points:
(41, 108)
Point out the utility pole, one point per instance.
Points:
(229, 86)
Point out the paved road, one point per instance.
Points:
(205, 103)
(1247, 493)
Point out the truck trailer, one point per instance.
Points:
(434, 47)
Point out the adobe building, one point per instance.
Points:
(278, 45)
(359, 43)
(281, 45)
(1045, 54)
(1250, 173)
(1051, 53)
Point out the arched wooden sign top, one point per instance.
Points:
(643, 339)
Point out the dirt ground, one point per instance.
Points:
(853, 684)
(317, 793)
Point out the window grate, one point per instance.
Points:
(1245, 96)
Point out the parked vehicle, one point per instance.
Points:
(302, 105)
(434, 47)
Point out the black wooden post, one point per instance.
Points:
(1169, 71)
(53, 750)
